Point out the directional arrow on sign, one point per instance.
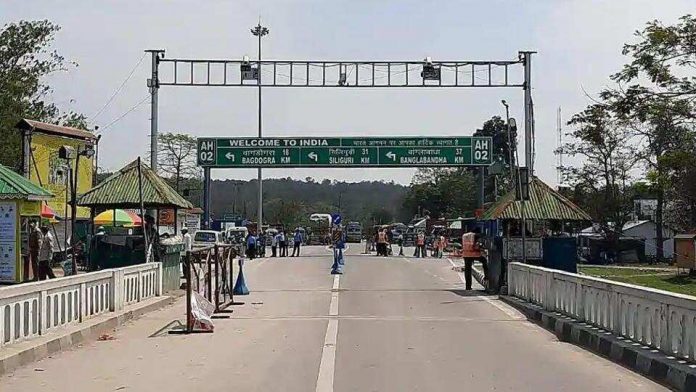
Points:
(229, 155)
(313, 156)
(391, 156)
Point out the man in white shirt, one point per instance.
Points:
(274, 244)
(46, 255)
(188, 241)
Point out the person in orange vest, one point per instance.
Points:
(382, 243)
(471, 251)
(420, 245)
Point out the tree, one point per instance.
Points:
(25, 60)
(176, 157)
(602, 183)
(656, 96)
(442, 191)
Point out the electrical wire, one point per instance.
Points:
(124, 114)
(118, 90)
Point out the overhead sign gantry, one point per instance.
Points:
(221, 153)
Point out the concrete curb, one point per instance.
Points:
(669, 371)
(23, 353)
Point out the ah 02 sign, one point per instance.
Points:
(206, 151)
(482, 153)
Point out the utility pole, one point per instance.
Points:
(260, 31)
(528, 113)
(153, 84)
(516, 180)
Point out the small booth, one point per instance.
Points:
(549, 218)
(121, 196)
(20, 201)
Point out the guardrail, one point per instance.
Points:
(655, 318)
(34, 309)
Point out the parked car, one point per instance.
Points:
(204, 238)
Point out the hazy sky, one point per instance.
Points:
(579, 44)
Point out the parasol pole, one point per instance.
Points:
(142, 208)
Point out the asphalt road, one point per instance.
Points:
(387, 324)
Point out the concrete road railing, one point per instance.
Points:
(34, 309)
(659, 319)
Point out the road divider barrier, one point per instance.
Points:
(35, 309)
(658, 319)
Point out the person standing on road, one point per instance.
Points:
(251, 246)
(435, 245)
(297, 242)
(420, 245)
(471, 251)
(34, 244)
(274, 245)
(46, 255)
(400, 241)
(382, 243)
(282, 242)
(442, 245)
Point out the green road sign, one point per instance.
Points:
(345, 152)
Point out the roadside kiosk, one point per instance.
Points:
(548, 220)
(20, 201)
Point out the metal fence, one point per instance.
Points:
(209, 271)
(655, 318)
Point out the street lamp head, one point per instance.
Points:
(259, 31)
(504, 103)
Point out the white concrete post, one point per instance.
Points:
(139, 286)
(117, 294)
(83, 301)
(159, 279)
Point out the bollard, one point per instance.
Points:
(240, 287)
(336, 268)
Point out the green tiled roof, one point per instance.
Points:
(14, 186)
(544, 204)
(121, 191)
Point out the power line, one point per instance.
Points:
(124, 114)
(118, 90)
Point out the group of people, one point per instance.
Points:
(280, 244)
(40, 252)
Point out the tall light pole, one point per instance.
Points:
(259, 31)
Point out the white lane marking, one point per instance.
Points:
(510, 311)
(327, 365)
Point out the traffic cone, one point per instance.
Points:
(240, 287)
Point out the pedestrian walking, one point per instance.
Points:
(297, 242)
(420, 245)
(274, 244)
(471, 251)
(46, 255)
(34, 244)
(188, 241)
(435, 246)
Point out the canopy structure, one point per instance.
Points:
(544, 204)
(121, 190)
(14, 186)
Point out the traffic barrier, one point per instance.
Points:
(208, 272)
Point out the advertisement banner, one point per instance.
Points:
(9, 249)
